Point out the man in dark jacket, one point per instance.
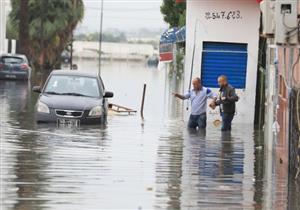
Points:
(226, 101)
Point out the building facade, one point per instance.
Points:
(288, 113)
(226, 37)
(282, 124)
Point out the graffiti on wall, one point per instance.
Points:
(224, 15)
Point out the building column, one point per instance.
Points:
(2, 26)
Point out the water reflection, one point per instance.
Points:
(29, 176)
(168, 168)
(213, 170)
(259, 169)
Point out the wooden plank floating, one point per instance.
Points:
(120, 109)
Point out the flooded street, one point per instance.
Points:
(128, 164)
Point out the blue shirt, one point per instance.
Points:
(199, 100)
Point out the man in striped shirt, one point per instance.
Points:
(198, 96)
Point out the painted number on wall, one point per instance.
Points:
(229, 15)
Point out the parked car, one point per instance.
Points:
(153, 61)
(14, 66)
(72, 97)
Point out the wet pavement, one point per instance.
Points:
(130, 163)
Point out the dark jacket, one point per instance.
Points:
(228, 105)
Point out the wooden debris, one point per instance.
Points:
(120, 109)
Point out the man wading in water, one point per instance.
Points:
(226, 100)
(198, 96)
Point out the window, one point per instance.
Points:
(68, 85)
(12, 60)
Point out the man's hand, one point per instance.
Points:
(213, 105)
(177, 95)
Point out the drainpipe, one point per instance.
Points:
(268, 127)
(270, 97)
(290, 82)
(275, 126)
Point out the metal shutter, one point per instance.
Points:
(228, 59)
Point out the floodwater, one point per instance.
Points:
(131, 163)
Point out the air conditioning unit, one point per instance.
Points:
(267, 8)
(287, 27)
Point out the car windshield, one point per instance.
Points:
(73, 85)
(12, 60)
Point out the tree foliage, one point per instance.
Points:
(50, 27)
(173, 13)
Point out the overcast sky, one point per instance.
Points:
(122, 14)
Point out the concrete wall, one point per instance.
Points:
(243, 30)
(286, 60)
(287, 57)
(4, 12)
(83, 49)
(286, 147)
(280, 143)
(2, 26)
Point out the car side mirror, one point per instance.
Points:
(108, 94)
(37, 89)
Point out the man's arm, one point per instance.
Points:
(182, 97)
(231, 97)
(211, 94)
(217, 100)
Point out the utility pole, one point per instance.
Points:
(71, 52)
(100, 37)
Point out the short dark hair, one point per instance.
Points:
(224, 77)
(198, 79)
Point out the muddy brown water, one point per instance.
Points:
(129, 164)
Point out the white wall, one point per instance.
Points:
(4, 11)
(243, 30)
(112, 50)
(2, 26)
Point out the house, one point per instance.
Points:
(287, 114)
(226, 38)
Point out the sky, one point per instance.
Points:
(124, 15)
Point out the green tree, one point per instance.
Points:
(173, 13)
(50, 25)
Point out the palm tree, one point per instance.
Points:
(50, 27)
(24, 31)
